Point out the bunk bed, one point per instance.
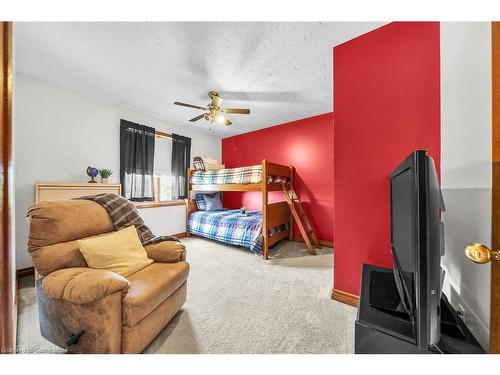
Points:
(275, 222)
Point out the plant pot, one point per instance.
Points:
(104, 180)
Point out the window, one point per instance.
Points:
(162, 169)
(146, 171)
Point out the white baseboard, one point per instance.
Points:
(474, 323)
(477, 326)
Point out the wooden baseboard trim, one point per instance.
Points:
(321, 242)
(326, 243)
(344, 297)
(23, 272)
(181, 235)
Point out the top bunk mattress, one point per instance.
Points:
(242, 175)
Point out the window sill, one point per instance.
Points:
(179, 202)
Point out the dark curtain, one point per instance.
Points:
(137, 148)
(181, 160)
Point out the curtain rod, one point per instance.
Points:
(160, 134)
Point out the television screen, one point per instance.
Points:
(403, 235)
(417, 243)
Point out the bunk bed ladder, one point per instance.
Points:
(302, 221)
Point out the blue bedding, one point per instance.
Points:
(231, 227)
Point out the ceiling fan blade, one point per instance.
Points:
(227, 122)
(197, 117)
(241, 111)
(190, 105)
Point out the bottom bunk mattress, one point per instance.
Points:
(231, 227)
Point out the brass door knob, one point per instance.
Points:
(481, 254)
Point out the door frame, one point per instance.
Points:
(8, 315)
(495, 188)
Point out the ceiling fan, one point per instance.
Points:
(215, 113)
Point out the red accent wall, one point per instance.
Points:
(306, 144)
(387, 104)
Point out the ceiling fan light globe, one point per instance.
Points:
(219, 119)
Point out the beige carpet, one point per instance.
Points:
(239, 303)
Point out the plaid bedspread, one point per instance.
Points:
(243, 175)
(231, 227)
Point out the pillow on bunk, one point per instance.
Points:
(209, 161)
(212, 164)
(213, 202)
(200, 202)
(213, 167)
(198, 163)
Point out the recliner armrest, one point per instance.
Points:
(83, 285)
(166, 251)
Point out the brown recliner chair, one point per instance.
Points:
(110, 313)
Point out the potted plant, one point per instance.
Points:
(105, 173)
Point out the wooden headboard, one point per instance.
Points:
(52, 191)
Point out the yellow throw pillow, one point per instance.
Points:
(120, 252)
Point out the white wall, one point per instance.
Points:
(466, 165)
(59, 133)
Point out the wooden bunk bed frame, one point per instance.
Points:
(273, 214)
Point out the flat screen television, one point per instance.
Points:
(417, 244)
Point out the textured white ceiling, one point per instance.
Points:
(281, 71)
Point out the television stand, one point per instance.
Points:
(382, 327)
(451, 324)
(383, 294)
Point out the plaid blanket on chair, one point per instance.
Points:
(123, 214)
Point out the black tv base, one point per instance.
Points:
(381, 327)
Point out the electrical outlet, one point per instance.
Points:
(461, 311)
